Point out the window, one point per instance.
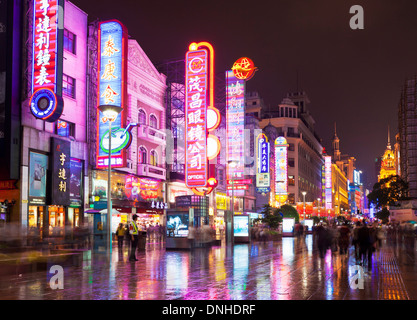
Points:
(153, 122)
(69, 41)
(68, 86)
(65, 129)
(142, 155)
(291, 162)
(291, 147)
(291, 181)
(154, 158)
(141, 117)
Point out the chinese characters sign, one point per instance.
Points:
(45, 44)
(141, 188)
(46, 102)
(112, 75)
(196, 77)
(61, 172)
(262, 172)
(281, 164)
(328, 180)
(235, 117)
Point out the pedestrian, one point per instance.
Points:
(344, 238)
(355, 241)
(191, 236)
(334, 235)
(134, 232)
(120, 233)
(323, 242)
(365, 245)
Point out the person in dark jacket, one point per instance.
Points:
(344, 238)
(365, 245)
(323, 238)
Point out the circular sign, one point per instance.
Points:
(119, 140)
(46, 105)
(213, 118)
(213, 146)
(244, 68)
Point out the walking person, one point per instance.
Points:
(120, 233)
(355, 241)
(134, 233)
(344, 238)
(323, 240)
(365, 245)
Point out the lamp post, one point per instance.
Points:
(110, 112)
(304, 206)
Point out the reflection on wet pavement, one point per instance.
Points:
(290, 269)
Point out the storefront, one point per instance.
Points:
(55, 191)
(130, 195)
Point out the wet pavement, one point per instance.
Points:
(289, 269)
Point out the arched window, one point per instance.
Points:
(142, 155)
(141, 117)
(153, 122)
(154, 158)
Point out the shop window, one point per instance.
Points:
(56, 220)
(141, 117)
(291, 181)
(65, 128)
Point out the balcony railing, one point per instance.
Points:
(148, 170)
(151, 134)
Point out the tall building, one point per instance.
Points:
(388, 161)
(292, 120)
(345, 162)
(54, 161)
(407, 126)
(11, 25)
(138, 186)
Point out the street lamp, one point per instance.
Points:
(110, 112)
(304, 200)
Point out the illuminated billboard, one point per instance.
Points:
(235, 117)
(47, 51)
(281, 169)
(112, 90)
(196, 122)
(201, 117)
(262, 164)
(328, 181)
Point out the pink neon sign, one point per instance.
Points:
(196, 76)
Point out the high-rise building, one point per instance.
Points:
(292, 120)
(388, 162)
(407, 126)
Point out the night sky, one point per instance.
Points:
(352, 77)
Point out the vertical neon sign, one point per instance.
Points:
(262, 164)
(112, 90)
(281, 168)
(196, 169)
(328, 180)
(47, 52)
(201, 117)
(235, 116)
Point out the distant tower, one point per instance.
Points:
(388, 162)
(336, 148)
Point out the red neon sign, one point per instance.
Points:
(45, 45)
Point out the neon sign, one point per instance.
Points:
(112, 90)
(281, 167)
(328, 181)
(235, 113)
(262, 164)
(46, 102)
(244, 68)
(201, 118)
